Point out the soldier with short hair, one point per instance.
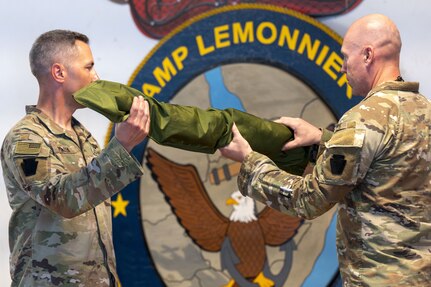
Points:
(59, 182)
(376, 165)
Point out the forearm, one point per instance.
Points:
(294, 195)
(71, 194)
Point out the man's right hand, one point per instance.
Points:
(137, 126)
(238, 148)
(305, 134)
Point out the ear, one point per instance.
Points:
(368, 54)
(58, 72)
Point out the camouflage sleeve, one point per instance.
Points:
(262, 180)
(334, 174)
(359, 137)
(46, 179)
(317, 150)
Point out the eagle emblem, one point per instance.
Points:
(240, 238)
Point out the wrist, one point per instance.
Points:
(127, 147)
(246, 152)
(318, 136)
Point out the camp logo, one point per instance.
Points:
(184, 223)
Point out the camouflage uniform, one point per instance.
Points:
(59, 186)
(377, 167)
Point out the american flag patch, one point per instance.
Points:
(27, 148)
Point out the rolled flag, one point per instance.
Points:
(194, 129)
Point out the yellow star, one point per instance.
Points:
(120, 206)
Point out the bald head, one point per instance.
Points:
(378, 31)
(371, 49)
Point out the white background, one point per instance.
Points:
(118, 48)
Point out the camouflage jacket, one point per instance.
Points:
(377, 167)
(59, 186)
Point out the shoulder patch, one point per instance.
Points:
(345, 125)
(29, 148)
(337, 163)
(29, 166)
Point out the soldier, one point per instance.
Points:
(59, 182)
(376, 165)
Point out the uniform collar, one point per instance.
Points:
(395, 86)
(52, 126)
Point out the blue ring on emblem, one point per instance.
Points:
(316, 68)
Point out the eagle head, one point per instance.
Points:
(243, 208)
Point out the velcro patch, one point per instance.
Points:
(337, 163)
(29, 166)
(28, 148)
(342, 157)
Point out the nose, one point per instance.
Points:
(95, 76)
(343, 67)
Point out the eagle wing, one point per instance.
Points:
(278, 227)
(189, 201)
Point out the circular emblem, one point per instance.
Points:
(184, 223)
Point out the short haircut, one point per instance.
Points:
(52, 46)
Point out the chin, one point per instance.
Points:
(360, 93)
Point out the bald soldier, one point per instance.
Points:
(376, 165)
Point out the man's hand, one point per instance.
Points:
(238, 148)
(137, 126)
(305, 134)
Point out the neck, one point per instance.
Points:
(56, 107)
(389, 74)
(242, 215)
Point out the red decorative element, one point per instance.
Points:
(156, 18)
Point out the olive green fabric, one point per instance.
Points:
(195, 129)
